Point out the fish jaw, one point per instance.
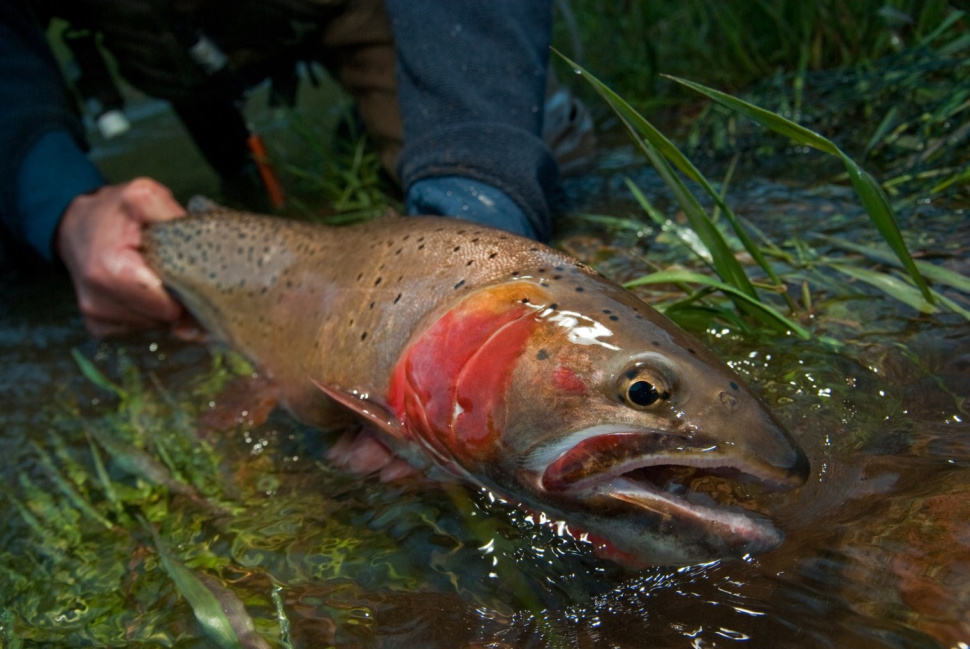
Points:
(630, 489)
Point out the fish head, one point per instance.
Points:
(594, 408)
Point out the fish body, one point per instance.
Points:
(502, 360)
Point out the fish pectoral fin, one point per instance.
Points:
(372, 412)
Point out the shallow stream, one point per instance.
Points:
(877, 549)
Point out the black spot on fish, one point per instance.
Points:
(557, 276)
(541, 270)
(580, 289)
(493, 255)
(542, 355)
(533, 249)
(397, 298)
(289, 283)
(470, 262)
(360, 277)
(421, 247)
(371, 306)
(607, 311)
(475, 240)
(525, 300)
(459, 284)
(554, 306)
(456, 249)
(656, 343)
(734, 386)
(614, 318)
(378, 282)
(515, 273)
(363, 336)
(398, 251)
(691, 350)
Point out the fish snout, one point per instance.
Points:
(783, 461)
(757, 433)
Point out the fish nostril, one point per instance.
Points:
(728, 400)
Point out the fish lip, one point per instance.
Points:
(738, 527)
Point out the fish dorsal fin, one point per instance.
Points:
(372, 412)
(199, 204)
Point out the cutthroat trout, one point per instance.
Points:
(508, 363)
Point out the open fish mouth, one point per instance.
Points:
(693, 491)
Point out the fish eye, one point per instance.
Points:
(642, 393)
(645, 383)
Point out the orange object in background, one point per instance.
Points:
(266, 171)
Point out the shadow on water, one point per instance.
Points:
(877, 550)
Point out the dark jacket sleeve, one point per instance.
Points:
(41, 136)
(472, 79)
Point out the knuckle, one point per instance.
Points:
(143, 189)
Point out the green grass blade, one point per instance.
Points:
(205, 605)
(951, 305)
(646, 135)
(870, 192)
(936, 273)
(94, 375)
(67, 489)
(686, 236)
(948, 22)
(892, 286)
(722, 256)
(691, 277)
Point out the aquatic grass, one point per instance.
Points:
(115, 590)
(219, 611)
(348, 177)
(873, 197)
(663, 153)
(715, 249)
(690, 277)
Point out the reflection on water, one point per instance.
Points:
(877, 550)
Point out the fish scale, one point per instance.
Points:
(503, 360)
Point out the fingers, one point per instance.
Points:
(99, 241)
(148, 201)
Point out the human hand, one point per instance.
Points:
(99, 240)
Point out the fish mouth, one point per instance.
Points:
(694, 493)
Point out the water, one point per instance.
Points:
(877, 552)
